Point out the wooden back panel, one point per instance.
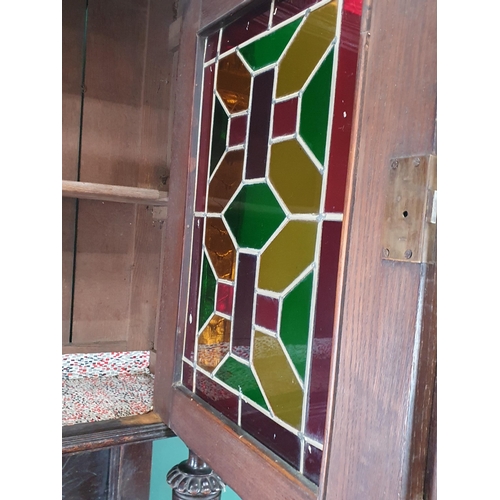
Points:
(111, 289)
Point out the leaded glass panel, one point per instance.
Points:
(275, 121)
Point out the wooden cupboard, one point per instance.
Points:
(132, 94)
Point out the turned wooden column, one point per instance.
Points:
(193, 478)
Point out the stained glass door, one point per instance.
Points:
(292, 356)
(275, 120)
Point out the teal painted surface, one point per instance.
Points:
(167, 453)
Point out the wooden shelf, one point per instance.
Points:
(120, 194)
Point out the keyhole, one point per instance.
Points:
(405, 214)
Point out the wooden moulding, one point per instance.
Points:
(120, 194)
(232, 454)
(92, 436)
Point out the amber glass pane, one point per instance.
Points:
(280, 384)
(315, 109)
(213, 342)
(268, 49)
(288, 255)
(294, 327)
(225, 181)
(295, 177)
(254, 215)
(304, 53)
(220, 248)
(240, 377)
(233, 83)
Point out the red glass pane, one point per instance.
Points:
(206, 120)
(243, 307)
(312, 463)
(285, 9)
(245, 28)
(258, 134)
(342, 118)
(278, 439)
(217, 397)
(224, 298)
(285, 117)
(187, 376)
(211, 49)
(323, 330)
(192, 311)
(266, 312)
(237, 130)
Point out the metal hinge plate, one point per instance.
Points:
(409, 231)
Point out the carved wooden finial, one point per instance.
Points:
(193, 478)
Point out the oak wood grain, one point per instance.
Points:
(373, 400)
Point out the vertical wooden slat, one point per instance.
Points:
(375, 393)
(124, 131)
(135, 471)
(103, 271)
(73, 40)
(153, 172)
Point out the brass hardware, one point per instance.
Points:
(409, 229)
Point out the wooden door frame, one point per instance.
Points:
(385, 358)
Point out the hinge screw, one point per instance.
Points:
(394, 164)
(386, 252)
(408, 254)
(416, 162)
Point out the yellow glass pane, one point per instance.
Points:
(220, 248)
(306, 50)
(233, 83)
(295, 177)
(278, 380)
(225, 181)
(213, 342)
(288, 255)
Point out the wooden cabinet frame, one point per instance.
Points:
(384, 367)
(383, 372)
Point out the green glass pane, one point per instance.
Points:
(315, 109)
(207, 299)
(295, 177)
(268, 49)
(280, 384)
(254, 215)
(307, 48)
(240, 377)
(291, 251)
(219, 134)
(213, 342)
(294, 327)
